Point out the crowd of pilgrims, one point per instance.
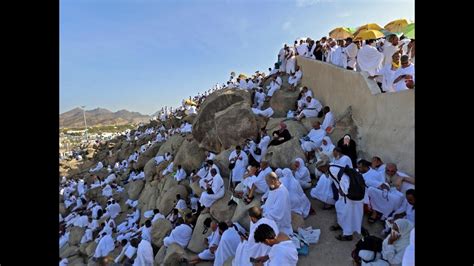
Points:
(389, 195)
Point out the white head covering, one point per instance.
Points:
(279, 172)
(287, 173)
(329, 147)
(404, 228)
(301, 163)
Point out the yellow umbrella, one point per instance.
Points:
(397, 25)
(369, 35)
(340, 33)
(242, 76)
(370, 26)
(189, 102)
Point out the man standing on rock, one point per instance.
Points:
(239, 162)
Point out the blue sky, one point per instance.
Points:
(141, 55)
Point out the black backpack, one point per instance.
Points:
(357, 183)
(369, 242)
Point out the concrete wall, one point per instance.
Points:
(385, 121)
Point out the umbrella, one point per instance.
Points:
(409, 31)
(242, 76)
(369, 34)
(397, 25)
(370, 26)
(340, 33)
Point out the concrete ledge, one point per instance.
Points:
(385, 121)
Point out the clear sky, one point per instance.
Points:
(141, 55)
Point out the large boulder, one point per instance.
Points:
(189, 118)
(150, 169)
(160, 256)
(94, 194)
(160, 229)
(62, 209)
(283, 155)
(282, 101)
(308, 122)
(167, 200)
(195, 188)
(174, 254)
(148, 196)
(69, 251)
(189, 156)
(222, 161)
(196, 244)
(76, 260)
(90, 249)
(171, 145)
(75, 235)
(126, 149)
(135, 188)
(220, 210)
(225, 119)
(147, 155)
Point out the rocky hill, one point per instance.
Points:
(100, 117)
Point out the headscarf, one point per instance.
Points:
(329, 147)
(404, 228)
(347, 139)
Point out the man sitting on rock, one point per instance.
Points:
(311, 108)
(280, 136)
(275, 85)
(328, 122)
(295, 78)
(180, 174)
(214, 190)
(282, 251)
(180, 235)
(313, 140)
(211, 242)
(388, 197)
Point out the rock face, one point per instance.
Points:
(159, 230)
(126, 149)
(148, 197)
(167, 200)
(222, 161)
(190, 156)
(135, 188)
(220, 210)
(174, 254)
(150, 169)
(284, 154)
(147, 155)
(196, 244)
(282, 101)
(225, 119)
(171, 145)
(75, 235)
(69, 251)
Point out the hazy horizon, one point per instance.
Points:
(141, 55)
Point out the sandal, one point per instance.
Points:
(335, 228)
(344, 238)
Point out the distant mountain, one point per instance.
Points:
(100, 117)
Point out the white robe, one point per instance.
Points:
(230, 239)
(144, 254)
(293, 80)
(274, 86)
(180, 235)
(349, 212)
(339, 57)
(107, 191)
(259, 99)
(302, 49)
(343, 161)
(104, 247)
(351, 52)
(291, 62)
(385, 201)
(240, 165)
(300, 203)
(212, 240)
(302, 100)
(266, 113)
(302, 174)
(217, 186)
(316, 138)
(323, 191)
(180, 175)
(328, 121)
(400, 85)
(388, 51)
(156, 217)
(387, 77)
(283, 253)
(248, 248)
(260, 183)
(181, 205)
(312, 108)
(409, 255)
(278, 208)
(369, 59)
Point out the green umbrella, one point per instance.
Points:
(351, 30)
(409, 31)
